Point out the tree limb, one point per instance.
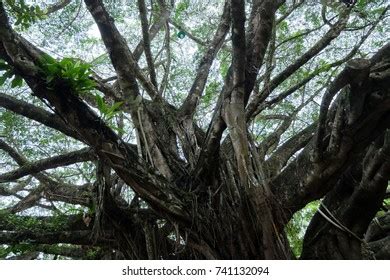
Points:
(49, 163)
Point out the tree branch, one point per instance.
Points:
(146, 41)
(40, 115)
(333, 33)
(152, 187)
(209, 154)
(235, 105)
(302, 181)
(57, 6)
(49, 188)
(189, 105)
(82, 155)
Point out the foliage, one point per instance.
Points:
(56, 250)
(108, 112)
(14, 249)
(68, 72)
(181, 7)
(25, 14)
(28, 223)
(297, 226)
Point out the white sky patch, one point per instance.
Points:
(94, 31)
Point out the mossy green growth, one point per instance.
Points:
(27, 223)
(93, 253)
(68, 73)
(15, 249)
(297, 226)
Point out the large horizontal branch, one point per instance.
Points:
(38, 114)
(12, 222)
(82, 155)
(35, 113)
(79, 237)
(39, 232)
(46, 230)
(76, 252)
(49, 188)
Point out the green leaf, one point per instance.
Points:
(18, 21)
(17, 82)
(116, 106)
(77, 64)
(181, 7)
(52, 68)
(47, 59)
(100, 103)
(73, 72)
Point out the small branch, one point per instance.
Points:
(57, 6)
(333, 33)
(49, 188)
(296, 5)
(167, 66)
(154, 29)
